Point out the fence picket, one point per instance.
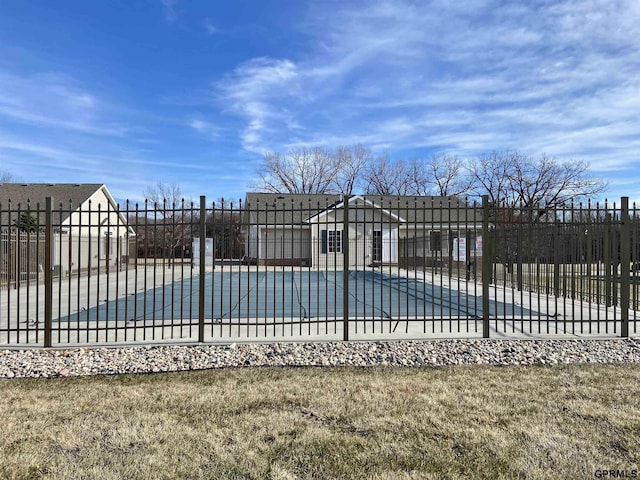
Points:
(315, 267)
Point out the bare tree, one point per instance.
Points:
(386, 177)
(224, 225)
(441, 175)
(302, 170)
(418, 177)
(507, 177)
(448, 175)
(163, 196)
(168, 223)
(551, 183)
(8, 177)
(514, 180)
(491, 175)
(352, 160)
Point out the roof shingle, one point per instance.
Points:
(67, 197)
(285, 209)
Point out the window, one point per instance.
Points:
(107, 244)
(377, 246)
(335, 241)
(331, 241)
(435, 241)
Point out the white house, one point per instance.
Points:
(309, 230)
(89, 231)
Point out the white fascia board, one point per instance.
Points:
(340, 205)
(116, 208)
(439, 226)
(113, 208)
(278, 226)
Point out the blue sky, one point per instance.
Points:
(132, 92)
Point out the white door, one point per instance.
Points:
(389, 245)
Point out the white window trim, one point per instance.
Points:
(334, 246)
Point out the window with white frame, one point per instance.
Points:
(334, 241)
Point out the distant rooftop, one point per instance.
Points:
(35, 193)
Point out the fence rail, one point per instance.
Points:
(288, 268)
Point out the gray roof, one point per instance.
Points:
(65, 193)
(67, 197)
(428, 209)
(280, 209)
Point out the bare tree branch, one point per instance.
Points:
(512, 179)
(449, 176)
(386, 177)
(508, 177)
(8, 177)
(491, 175)
(441, 175)
(303, 170)
(351, 163)
(173, 229)
(164, 196)
(548, 182)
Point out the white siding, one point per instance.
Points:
(94, 236)
(363, 222)
(251, 242)
(284, 243)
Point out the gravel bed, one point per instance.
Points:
(153, 359)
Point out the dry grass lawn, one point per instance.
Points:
(286, 423)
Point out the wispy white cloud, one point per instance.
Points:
(205, 128)
(210, 27)
(409, 77)
(252, 89)
(558, 77)
(126, 171)
(54, 101)
(171, 15)
(81, 158)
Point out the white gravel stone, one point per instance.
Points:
(156, 359)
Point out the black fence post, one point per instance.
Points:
(608, 263)
(486, 266)
(625, 264)
(48, 272)
(345, 267)
(202, 232)
(556, 260)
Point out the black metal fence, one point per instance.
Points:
(315, 267)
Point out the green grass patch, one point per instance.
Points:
(287, 423)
